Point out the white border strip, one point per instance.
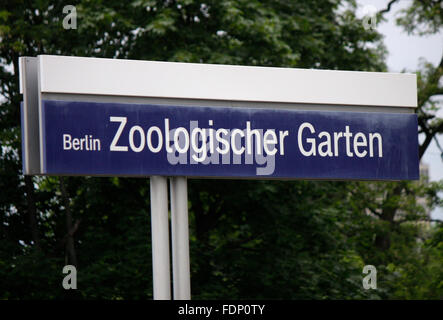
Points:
(113, 77)
(30, 121)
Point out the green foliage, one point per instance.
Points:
(417, 274)
(422, 17)
(257, 249)
(249, 239)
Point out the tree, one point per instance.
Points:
(422, 17)
(425, 17)
(249, 239)
(396, 207)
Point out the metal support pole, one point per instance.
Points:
(180, 239)
(160, 238)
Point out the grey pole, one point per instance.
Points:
(180, 239)
(160, 238)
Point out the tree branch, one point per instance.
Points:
(430, 132)
(374, 211)
(415, 220)
(32, 211)
(70, 232)
(71, 257)
(388, 8)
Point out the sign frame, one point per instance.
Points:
(186, 84)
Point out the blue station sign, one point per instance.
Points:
(92, 138)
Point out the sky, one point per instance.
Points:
(405, 52)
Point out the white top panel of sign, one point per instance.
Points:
(136, 78)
